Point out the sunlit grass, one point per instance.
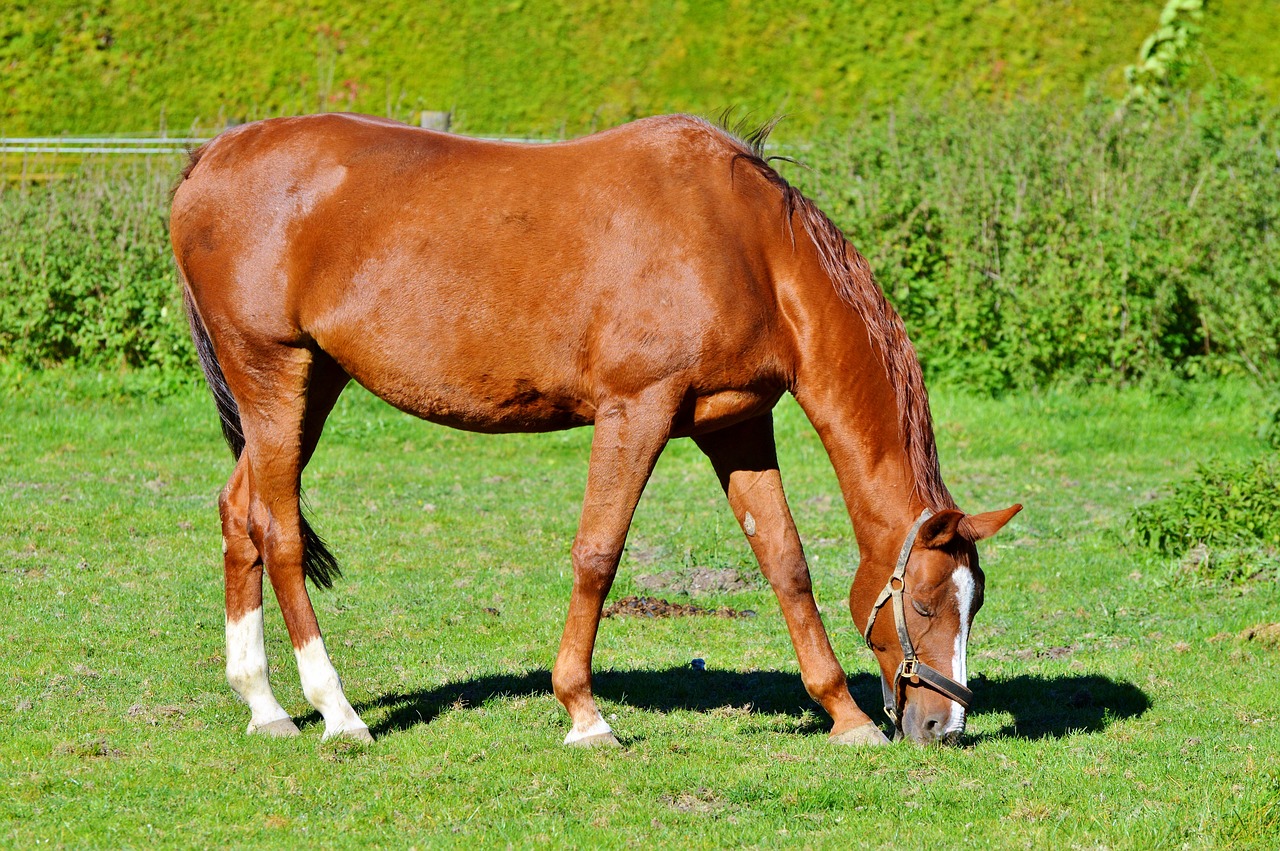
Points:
(1115, 704)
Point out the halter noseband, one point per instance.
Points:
(911, 669)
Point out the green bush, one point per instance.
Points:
(1025, 246)
(1225, 520)
(86, 275)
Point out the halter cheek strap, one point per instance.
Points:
(911, 670)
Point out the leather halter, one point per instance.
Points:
(912, 669)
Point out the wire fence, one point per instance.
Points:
(36, 146)
(132, 145)
(26, 159)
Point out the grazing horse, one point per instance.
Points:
(656, 280)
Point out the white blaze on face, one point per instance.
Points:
(962, 578)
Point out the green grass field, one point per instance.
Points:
(1116, 704)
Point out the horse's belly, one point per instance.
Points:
(713, 411)
(496, 404)
(531, 411)
(480, 403)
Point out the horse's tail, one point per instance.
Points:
(228, 410)
(318, 564)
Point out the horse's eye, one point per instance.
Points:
(921, 609)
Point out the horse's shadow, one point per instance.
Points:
(1041, 706)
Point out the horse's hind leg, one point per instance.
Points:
(746, 460)
(246, 663)
(283, 401)
(246, 650)
(629, 436)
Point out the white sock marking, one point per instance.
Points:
(247, 669)
(965, 590)
(598, 728)
(323, 689)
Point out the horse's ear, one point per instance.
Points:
(940, 529)
(982, 526)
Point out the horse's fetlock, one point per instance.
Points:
(569, 685)
(244, 678)
(825, 687)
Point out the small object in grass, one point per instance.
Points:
(698, 664)
(490, 610)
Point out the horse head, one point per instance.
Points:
(935, 589)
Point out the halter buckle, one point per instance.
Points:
(911, 670)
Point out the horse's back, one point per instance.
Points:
(485, 284)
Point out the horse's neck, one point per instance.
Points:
(844, 388)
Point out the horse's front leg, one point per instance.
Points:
(745, 458)
(629, 436)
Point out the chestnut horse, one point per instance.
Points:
(656, 280)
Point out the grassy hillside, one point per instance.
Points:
(526, 67)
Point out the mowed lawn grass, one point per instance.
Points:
(1115, 706)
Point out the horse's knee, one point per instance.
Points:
(790, 580)
(594, 566)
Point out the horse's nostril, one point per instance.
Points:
(931, 725)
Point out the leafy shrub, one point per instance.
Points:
(1024, 246)
(88, 277)
(1225, 520)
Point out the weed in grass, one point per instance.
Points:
(1223, 523)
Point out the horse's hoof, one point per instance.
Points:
(282, 729)
(599, 740)
(867, 734)
(359, 735)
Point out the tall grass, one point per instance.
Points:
(1024, 247)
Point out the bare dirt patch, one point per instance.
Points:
(91, 748)
(1061, 652)
(1267, 635)
(700, 800)
(655, 607)
(695, 582)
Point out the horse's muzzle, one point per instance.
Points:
(926, 727)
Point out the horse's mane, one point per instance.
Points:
(852, 279)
